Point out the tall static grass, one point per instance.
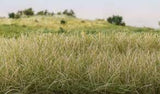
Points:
(80, 64)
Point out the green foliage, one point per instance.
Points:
(59, 13)
(45, 13)
(69, 13)
(117, 20)
(12, 15)
(63, 22)
(40, 13)
(48, 13)
(20, 13)
(28, 12)
(123, 24)
(17, 16)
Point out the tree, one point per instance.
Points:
(69, 13)
(46, 12)
(28, 12)
(40, 13)
(117, 20)
(11, 15)
(65, 12)
(17, 16)
(20, 12)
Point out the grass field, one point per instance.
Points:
(38, 55)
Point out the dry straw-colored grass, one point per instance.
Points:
(80, 64)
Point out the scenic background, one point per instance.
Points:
(135, 12)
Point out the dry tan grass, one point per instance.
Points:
(60, 63)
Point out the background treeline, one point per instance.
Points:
(31, 12)
(115, 19)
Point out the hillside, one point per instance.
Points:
(49, 24)
(39, 55)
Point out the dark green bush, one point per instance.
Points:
(28, 12)
(14, 16)
(11, 15)
(40, 13)
(20, 13)
(117, 20)
(17, 16)
(123, 24)
(45, 13)
(63, 22)
(69, 13)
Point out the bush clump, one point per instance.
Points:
(117, 20)
(59, 13)
(69, 13)
(11, 15)
(14, 16)
(45, 12)
(63, 22)
(28, 12)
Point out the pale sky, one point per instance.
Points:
(135, 12)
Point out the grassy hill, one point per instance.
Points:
(39, 55)
(49, 24)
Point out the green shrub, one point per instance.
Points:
(45, 13)
(20, 13)
(63, 22)
(14, 16)
(11, 15)
(17, 16)
(59, 13)
(117, 20)
(40, 13)
(28, 12)
(123, 24)
(69, 13)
